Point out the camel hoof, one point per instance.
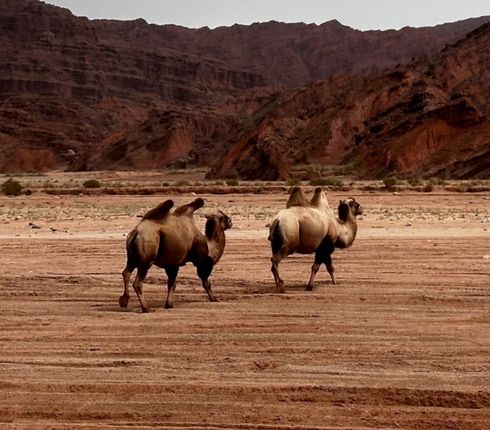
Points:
(214, 299)
(310, 287)
(123, 301)
(169, 306)
(280, 288)
(145, 310)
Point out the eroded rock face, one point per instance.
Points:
(430, 117)
(133, 95)
(67, 83)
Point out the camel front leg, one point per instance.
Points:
(206, 284)
(204, 271)
(138, 287)
(322, 255)
(330, 269)
(126, 274)
(171, 284)
(314, 270)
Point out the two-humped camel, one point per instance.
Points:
(170, 240)
(312, 227)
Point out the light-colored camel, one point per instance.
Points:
(170, 240)
(312, 227)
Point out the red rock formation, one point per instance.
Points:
(108, 94)
(428, 118)
(67, 84)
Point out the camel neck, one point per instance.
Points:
(347, 232)
(216, 239)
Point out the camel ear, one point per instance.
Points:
(343, 211)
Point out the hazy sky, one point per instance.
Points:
(361, 14)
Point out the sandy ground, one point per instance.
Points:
(402, 342)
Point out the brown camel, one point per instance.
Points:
(170, 240)
(312, 227)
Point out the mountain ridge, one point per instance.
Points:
(74, 90)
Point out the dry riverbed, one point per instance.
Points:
(402, 342)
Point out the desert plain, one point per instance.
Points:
(403, 341)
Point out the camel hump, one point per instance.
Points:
(317, 197)
(160, 212)
(189, 208)
(297, 198)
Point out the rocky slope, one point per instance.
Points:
(65, 86)
(427, 118)
(81, 94)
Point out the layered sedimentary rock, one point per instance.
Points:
(81, 94)
(427, 118)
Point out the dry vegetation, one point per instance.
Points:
(174, 181)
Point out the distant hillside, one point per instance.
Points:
(80, 94)
(430, 117)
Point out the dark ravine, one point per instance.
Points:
(79, 94)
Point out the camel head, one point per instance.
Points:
(348, 207)
(216, 221)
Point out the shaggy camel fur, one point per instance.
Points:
(312, 227)
(170, 240)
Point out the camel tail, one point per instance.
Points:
(276, 237)
(132, 249)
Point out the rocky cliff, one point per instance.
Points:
(427, 118)
(81, 94)
(67, 85)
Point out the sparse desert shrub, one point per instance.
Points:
(389, 182)
(232, 182)
(414, 181)
(428, 187)
(463, 187)
(165, 184)
(291, 182)
(182, 183)
(333, 182)
(11, 187)
(437, 181)
(92, 183)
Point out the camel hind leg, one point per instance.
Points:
(323, 255)
(172, 272)
(277, 257)
(275, 260)
(126, 274)
(280, 250)
(204, 271)
(138, 286)
(132, 253)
